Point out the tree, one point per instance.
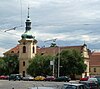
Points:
(72, 63)
(2, 69)
(40, 65)
(9, 64)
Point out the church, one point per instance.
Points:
(27, 49)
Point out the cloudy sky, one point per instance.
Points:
(72, 22)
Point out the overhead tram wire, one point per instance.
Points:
(14, 28)
(9, 34)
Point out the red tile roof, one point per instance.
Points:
(95, 59)
(14, 50)
(55, 50)
(47, 50)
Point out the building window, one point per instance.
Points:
(23, 63)
(89, 69)
(33, 49)
(24, 49)
(94, 69)
(23, 73)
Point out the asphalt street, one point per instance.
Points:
(5, 84)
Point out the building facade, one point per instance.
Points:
(95, 64)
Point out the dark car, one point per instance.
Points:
(15, 77)
(49, 78)
(90, 85)
(63, 78)
(73, 86)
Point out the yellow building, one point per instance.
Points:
(95, 64)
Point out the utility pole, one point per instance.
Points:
(52, 62)
(58, 60)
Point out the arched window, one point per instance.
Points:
(24, 49)
(33, 49)
(23, 63)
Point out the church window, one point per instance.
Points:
(24, 49)
(33, 49)
(23, 73)
(23, 63)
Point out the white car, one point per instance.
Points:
(93, 80)
(28, 78)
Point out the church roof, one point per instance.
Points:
(12, 51)
(55, 50)
(95, 59)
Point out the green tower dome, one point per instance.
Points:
(27, 34)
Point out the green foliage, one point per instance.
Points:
(72, 62)
(40, 65)
(8, 65)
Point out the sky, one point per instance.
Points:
(70, 22)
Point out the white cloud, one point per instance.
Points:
(85, 38)
(60, 19)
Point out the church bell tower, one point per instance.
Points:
(27, 47)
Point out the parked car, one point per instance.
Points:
(15, 77)
(84, 79)
(28, 78)
(73, 86)
(39, 78)
(63, 78)
(4, 77)
(49, 78)
(90, 85)
(98, 80)
(93, 80)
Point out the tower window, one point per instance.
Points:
(33, 49)
(23, 73)
(24, 49)
(23, 63)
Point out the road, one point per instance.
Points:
(5, 84)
